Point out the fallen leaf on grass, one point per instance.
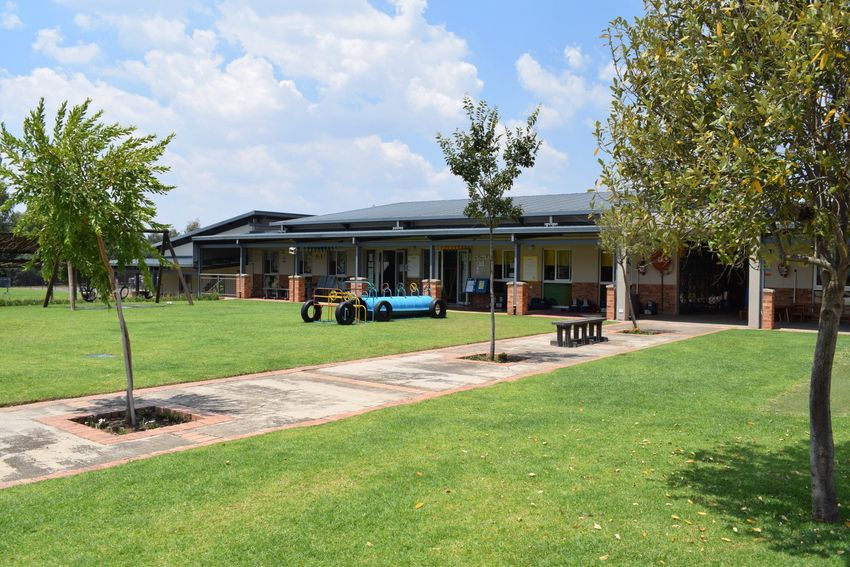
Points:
(419, 505)
(757, 530)
(597, 527)
(419, 473)
(726, 539)
(369, 544)
(616, 536)
(702, 513)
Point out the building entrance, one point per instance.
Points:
(707, 286)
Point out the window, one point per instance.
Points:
(305, 263)
(270, 262)
(606, 267)
(503, 263)
(556, 265)
(337, 263)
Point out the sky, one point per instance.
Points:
(316, 106)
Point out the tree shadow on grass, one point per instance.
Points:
(766, 495)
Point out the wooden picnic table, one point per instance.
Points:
(579, 331)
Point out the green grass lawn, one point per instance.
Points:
(675, 455)
(30, 293)
(47, 355)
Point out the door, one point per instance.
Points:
(450, 275)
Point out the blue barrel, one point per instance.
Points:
(411, 305)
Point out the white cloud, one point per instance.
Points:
(562, 94)
(48, 42)
(353, 51)
(9, 19)
(607, 73)
(575, 58)
(20, 94)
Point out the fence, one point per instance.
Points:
(223, 284)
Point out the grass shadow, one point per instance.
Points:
(765, 495)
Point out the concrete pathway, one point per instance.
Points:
(39, 441)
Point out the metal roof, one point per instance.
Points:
(186, 236)
(532, 205)
(432, 232)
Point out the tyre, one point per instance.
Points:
(345, 313)
(311, 311)
(383, 311)
(146, 294)
(125, 291)
(89, 295)
(437, 309)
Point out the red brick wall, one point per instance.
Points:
(297, 291)
(434, 288)
(611, 303)
(585, 290)
(257, 286)
(243, 286)
(652, 292)
(784, 296)
(522, 298)
(767, 304)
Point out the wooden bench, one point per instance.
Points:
(575, 332)
(276, 292)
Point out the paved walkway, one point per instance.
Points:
(39, 441)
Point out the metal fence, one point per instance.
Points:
(223, 284)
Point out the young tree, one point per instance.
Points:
(628, 232)
(489, 162)
(733, 119)
(87, 185)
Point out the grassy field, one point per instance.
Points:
(50, 355)
(676, 455)
(31, 293)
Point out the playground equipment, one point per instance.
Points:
(346, 307)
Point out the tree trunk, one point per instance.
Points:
(50, 283)
(492, 353)
(72, 287)
(821, 445)
(623, 262)
(125, 336)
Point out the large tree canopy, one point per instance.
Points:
(730, 119)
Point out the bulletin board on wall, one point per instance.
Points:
(529, 268)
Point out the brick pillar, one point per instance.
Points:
(358, 286)
(244, 286)
(767, 309)
(297, 289)
(434, 288)
(521, 306)
(611, 302)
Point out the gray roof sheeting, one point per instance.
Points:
(532, 205)
(408, 232)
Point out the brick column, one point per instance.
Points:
(358, 286)
(521, 306)
(767, 321)
(244, 286)
(434, 288)
(297, 289)
(611, 302)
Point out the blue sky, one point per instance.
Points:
(317, 105)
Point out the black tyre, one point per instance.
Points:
(125, 291)
(311, 311)
(383, 311)
(345, 313)
(89, 295)
(146, 294)
(437, 309)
